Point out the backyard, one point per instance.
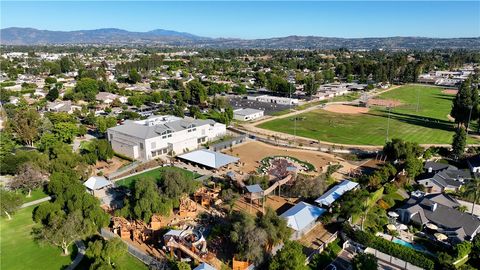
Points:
(155, 174)
(427, 123)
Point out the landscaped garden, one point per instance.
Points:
(428, 124)
(155, 174)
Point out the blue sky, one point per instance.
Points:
(254, 19)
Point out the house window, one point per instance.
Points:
(141, 146)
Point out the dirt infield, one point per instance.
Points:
(384, 102)
(347, 109)
(251, 153)
(450, 92)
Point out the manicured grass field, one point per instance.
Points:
(428, 125)
(155, 174)
(20, 251)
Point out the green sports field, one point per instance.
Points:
(427, 124)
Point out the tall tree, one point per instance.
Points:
(197, 91)
(52, 94)
(311, 86)
(463, 103)
(249, 239)
(472, 190)
(459, 142)
(9, 203)
(276, 227)
(25, 125)
(62, 232)
(107, 251)
(365, 261)
(290, 257)
(29, 176)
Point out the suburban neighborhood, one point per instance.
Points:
(167, 150)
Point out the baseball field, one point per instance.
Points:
(417, 113)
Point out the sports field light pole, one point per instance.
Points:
(469, 117)
(418, 98)
(388, 123)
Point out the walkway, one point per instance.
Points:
(80, 253)
(48, 198)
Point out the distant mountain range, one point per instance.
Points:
(161, 37)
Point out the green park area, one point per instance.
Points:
(155, 174)
(422, 117)
(20, 251)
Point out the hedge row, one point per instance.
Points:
(404, 253)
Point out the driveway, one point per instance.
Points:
(343, 260)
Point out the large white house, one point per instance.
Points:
(161, 135)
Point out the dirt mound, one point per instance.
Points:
(346, 109)
(450, 92)
(384, 102)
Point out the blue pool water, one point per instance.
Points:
(409, 245)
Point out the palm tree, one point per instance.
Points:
(472, 189)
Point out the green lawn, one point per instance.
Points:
(18, 249)
(126, 262)
(427, 125)
(38, 193)
(155, 174)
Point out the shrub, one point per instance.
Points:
(404, 253)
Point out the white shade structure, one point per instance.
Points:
(391, 227)
(440, 236)
(393, 214)
(431, 226)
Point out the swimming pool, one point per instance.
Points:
(409, 245)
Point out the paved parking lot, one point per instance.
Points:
(268, 108)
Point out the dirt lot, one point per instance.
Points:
(384, 102)
(108, 167)
(277, 203)
(252, 152)
(450, 92)
(346, 109)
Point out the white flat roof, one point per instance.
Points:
(209, 158)
(96, 182)
(336, 192)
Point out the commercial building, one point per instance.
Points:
(161, 135)
(275, 100)
(247, 114)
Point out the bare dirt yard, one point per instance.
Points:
(450, 92)
(347, 109)
(252, 152)
(384, 102)
(108, 167)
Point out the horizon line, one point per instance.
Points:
(242, 38)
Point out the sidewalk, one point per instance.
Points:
(36, 202)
